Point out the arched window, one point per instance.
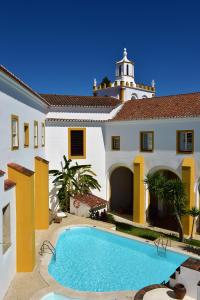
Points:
(134, 96)
(127, 69)
(120, 70)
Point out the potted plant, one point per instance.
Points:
(179, 291)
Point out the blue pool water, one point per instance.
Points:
(89, 259)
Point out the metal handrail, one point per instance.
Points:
(162, 243)
(47, 244)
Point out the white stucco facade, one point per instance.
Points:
(15, 100)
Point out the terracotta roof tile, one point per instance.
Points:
(2, 173)
(21, 169)
(176, 106)
(91, 200)
(8, 184)
(91, 101)
(42, 159)
(72, 120)
(20, 82)
(192, 263)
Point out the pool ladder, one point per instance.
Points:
(46, 247)
(161, 244)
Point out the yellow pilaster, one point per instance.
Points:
(41, 193)
(122, 94)
(138, 188)
(25, 219)
(188, 178)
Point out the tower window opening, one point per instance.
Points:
(127, 69)
(120, 70)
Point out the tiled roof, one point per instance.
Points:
(91, 200)
(8, 184)
(72, 120)
(192, 263)
(2, 173)
(42, 159)
(176, 106)
(91, 101)
(21, 169)
(20, 82)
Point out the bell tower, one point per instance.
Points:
(124, 70)
(124, 86)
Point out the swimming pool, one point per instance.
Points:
(90, 259)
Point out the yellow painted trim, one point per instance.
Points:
(26, 135)
(84, 143)
(25, 220)
(41, 194)
(112, 143)
(14, 117)
(35, 124)
(141, 141)
(188, 178)
(122, 93)
(178, 151)
(138, 190)
(43, 132)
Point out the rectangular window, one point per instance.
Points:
(146, 141)
(77, 143)
(43, 134)
(6, 227)
(26, 135)
(115, 142)
(35, 134)
(14, 132)
(185, 141)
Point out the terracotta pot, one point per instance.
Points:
(179, 291)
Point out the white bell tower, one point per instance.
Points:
(124, 87)
(125, 69)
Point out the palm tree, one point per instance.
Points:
(194, 212)
(71, 180)
(172, 191)
(85, 180)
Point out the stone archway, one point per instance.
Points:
(121, 184)
(159, 212)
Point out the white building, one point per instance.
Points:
(122, 140)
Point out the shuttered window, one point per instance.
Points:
(115, 142)
(146, 141)
(77, 142)
(14, 132)
(43, 134)
(26, 135)
(185, 141)
(35, 134)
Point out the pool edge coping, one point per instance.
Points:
(54, 286)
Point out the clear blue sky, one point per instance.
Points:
(60, 46)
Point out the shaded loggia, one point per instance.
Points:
(121, 182)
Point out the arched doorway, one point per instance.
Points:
(159, 212)
(121, 183)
